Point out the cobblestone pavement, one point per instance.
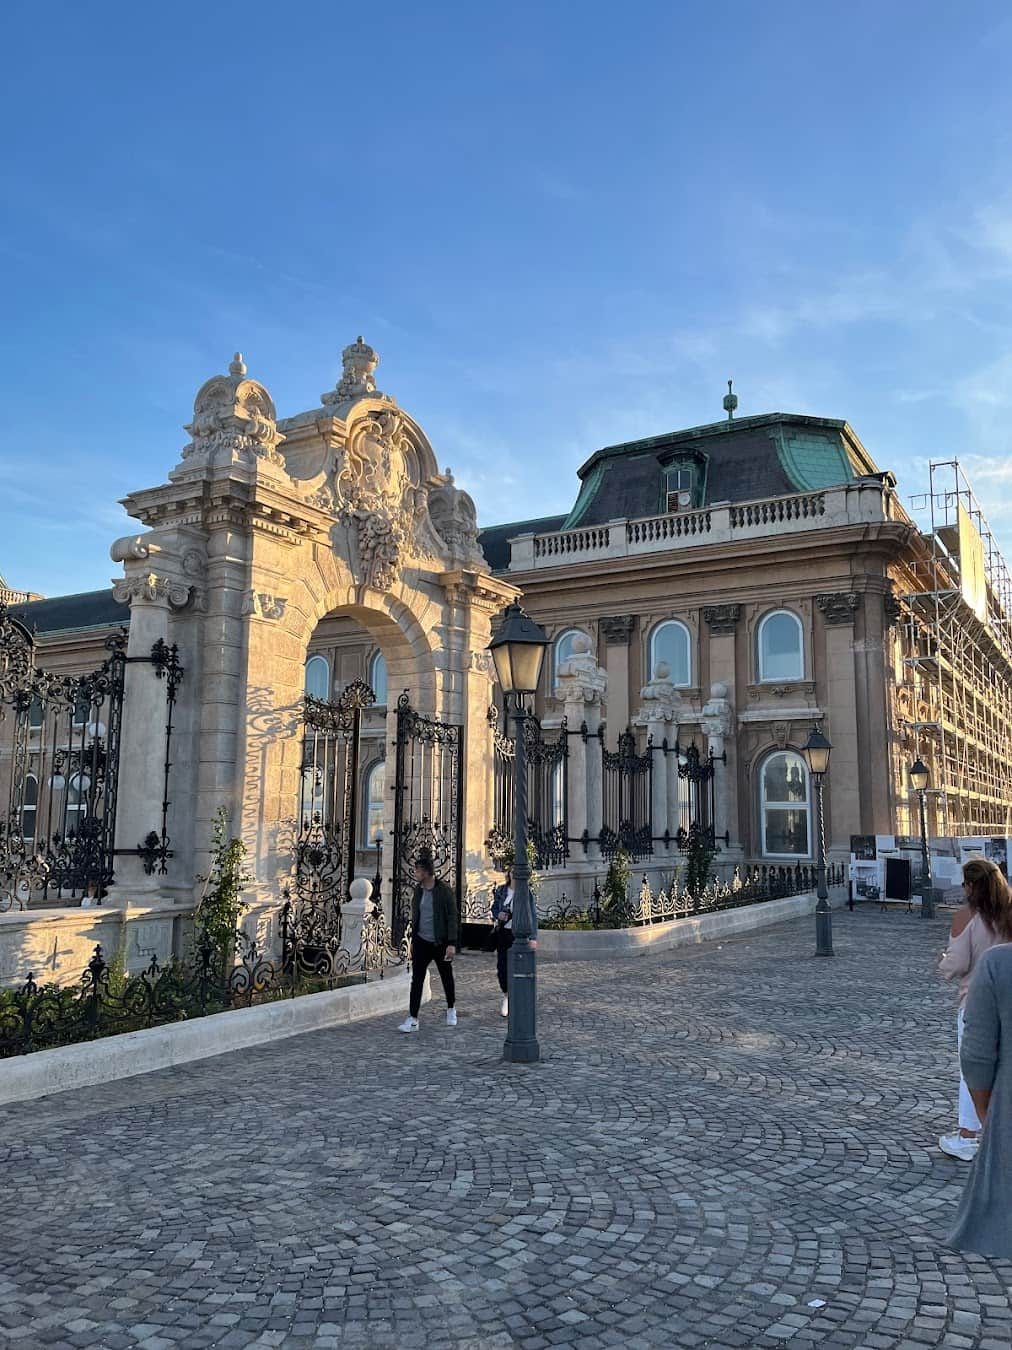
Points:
(715, 1138)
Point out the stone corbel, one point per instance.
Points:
(129, 547)
(839, 607)
(263, 605)
(149, 588)
(721, 619)
(618, 629)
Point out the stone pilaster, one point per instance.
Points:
(580, 686)
(660, 704)
(617, 633)
(722, 622)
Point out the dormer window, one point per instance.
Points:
(678, 485)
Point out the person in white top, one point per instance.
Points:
(979, 924)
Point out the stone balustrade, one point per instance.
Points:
(864, 501)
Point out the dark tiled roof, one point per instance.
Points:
(752, 457)
(495, 539)
(92, 609)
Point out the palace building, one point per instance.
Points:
(712, 595)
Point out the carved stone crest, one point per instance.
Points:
(358, 361)
(721, 619)
(839, 607)
(455, 520)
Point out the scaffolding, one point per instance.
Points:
(957, 657)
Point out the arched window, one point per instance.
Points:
(375, 786)
(563, 649)
(784, 806)
(670, 643)
(30, 807)
(378, 678)
(781, 647)
(318, 677)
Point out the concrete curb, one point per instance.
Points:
(608, 943)
(89, 1063)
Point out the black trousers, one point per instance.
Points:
(503, 943)
(422, 954)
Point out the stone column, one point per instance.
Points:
(617, 635)
(580, 687)
(844, 793)
(722, 621)
(142, 738)
(717, 721)
(658, 713)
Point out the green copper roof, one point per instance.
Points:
(811, 459)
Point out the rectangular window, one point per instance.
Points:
(678, 489)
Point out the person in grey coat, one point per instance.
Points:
(984, 1220)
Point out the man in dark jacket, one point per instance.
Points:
(433, 938)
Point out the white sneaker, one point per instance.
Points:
(958, 1146)
(409, 1024)
(505, 1009)
(451, 1017)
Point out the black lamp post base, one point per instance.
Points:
(823, 929)
(521, 1044)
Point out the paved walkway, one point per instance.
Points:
(715, 1139)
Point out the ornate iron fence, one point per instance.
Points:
(106, 1003)
(756, 886)
(59, 771)
(547, 791)
(627, 791)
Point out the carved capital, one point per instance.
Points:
(839, 607)
(263, 605)
(150, 589)
(618, 630)
(721, 619)
(892, 609)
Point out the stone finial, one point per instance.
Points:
(580, 679)
(660, 701)
(717, 717)
(234, 422)
(358, 361)
(730, 401)
(455, 520)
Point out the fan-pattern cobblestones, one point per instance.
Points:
(715, 1138)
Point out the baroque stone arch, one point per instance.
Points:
(263, 529)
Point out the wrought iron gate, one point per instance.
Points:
(59, 768)
(547, 792)
(628, 778)
(428, 806)
(329, 792)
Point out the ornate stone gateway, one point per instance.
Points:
(265, 527)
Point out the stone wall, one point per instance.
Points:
(55, 945)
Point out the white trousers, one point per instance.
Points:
(968, 1118)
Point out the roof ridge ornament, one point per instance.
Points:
(730, 401)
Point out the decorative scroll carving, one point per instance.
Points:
(150, 589)
(263, 605)
(721, 619)
(839, 607)
(618, 630)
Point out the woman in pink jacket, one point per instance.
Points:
(984, 920)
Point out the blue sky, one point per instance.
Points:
(561, 225)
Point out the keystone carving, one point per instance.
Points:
(721, 619)
(839, 607)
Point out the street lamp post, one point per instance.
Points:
(920, 777)
(518, 650)
(816, 751)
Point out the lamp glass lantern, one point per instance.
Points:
(920, 775)
(518, 650)
(816, 751)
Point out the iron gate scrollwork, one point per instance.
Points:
(59, 771)
(696, 796)
(428, 807)
(547, 762)
(628, 779)
(324, 846)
